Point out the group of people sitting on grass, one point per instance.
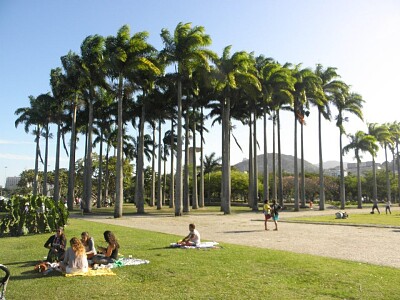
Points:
(82, 252)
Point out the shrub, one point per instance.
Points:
(32, 214)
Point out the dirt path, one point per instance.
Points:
(373, 245)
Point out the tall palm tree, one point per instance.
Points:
(233, 72)
(47, 110)
(274, 79)
(395, 130)
(385, 142)
(30, 116)
(73, 83)
(381, 133)
(360, 142)
(345, 102)
(185, 48)
(60, 94)
(329, 85)
(305, 87)
(92, 50)
(124, 55)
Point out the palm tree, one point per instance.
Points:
(30, 116)
(395, 130)
(329, 85)
(360, 142)
(186, 48)
(211, 163)
(72, 78)
(385, 142)
(273, 79)
(381, 133)
(233, 72)
(305, 87)
(92, 50)
(60, 95)
(124, 56)
(351, 103)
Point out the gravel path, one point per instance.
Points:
(375, 245)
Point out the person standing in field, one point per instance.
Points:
(275, 207)
(267, 213)
(388, 205)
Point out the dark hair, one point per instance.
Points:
(110, 238)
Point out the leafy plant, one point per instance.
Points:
(32, 214)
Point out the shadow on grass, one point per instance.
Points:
(243, 231)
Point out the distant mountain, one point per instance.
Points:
(287, 164)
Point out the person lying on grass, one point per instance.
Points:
(109, 254)
(192, 239)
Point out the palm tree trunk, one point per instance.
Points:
(296, 172)
(71, 170)
(321, 167)
(358, 185)
(139, 189)
(265, 161)
(100, 178)
(388, 191)
(178, 200)
(226, 168)
(186, 200)
(159, 186)
(56, 195)
(172, 186)
(274, 186)
(46, 156)
(342, 187)
(88, 162)
(280, 176)
(36, 179)
(195, 202)
(153, 170)
(303, 176)
(255, 169)
(251, 166)
(375, 188)
(201, 191)
(119, 180)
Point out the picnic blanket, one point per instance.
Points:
(93, 272)
(97, 270)
(204, 245)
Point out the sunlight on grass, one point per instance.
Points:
(359, 219)
(232, 272)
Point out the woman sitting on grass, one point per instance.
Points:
(56, 245)
(88, 243)
(75, 259)
(109, 254)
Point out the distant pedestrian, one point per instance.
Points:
(266, 212)
(375, 206)
(388, 205)
(275, 207)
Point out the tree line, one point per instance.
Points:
(123, 80)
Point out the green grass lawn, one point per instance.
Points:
(232, 272)
(357, 218)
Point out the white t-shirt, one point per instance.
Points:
(195, 238)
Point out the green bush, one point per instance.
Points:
(32, 214)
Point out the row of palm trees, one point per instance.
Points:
(120, 80)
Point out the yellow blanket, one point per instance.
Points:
(98, 272)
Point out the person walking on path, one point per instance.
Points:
(275, 207)
(388, 205)
(267, 213)
(375, 206)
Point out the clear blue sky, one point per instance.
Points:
(361, 38)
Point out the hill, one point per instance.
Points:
(287, 164)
